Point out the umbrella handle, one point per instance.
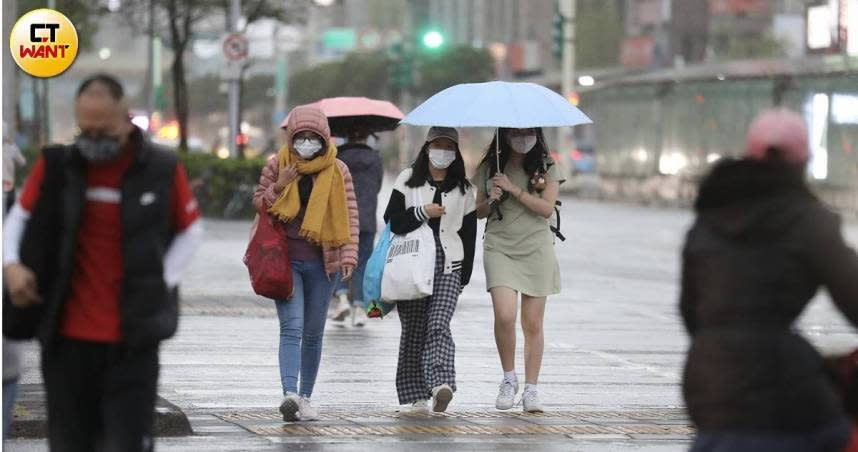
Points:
(493, 205)
(497, 148)
(495, 210)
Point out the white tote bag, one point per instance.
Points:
(409, 271)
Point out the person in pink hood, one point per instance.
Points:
(761, 247)
(310, 192)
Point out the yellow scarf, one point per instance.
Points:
(326, 220)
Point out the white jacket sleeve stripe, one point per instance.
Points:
(13, 232)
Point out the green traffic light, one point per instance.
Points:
(433, 39)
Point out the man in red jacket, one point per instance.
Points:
(100, 237)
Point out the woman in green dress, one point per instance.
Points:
(519, 250)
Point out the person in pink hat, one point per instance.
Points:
(760, 248)
(310, 193)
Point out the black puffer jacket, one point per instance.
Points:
(761, 247)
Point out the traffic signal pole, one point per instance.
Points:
(568, 11)
(403, 76)
(406, 99)
(405, 149)
(565, 136)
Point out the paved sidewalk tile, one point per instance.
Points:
(386, 423)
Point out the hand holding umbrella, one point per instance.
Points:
(502, 181)
(495, 195)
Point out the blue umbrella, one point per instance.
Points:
(497, 104)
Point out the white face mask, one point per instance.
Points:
(441, 158)
(522, 144)
(307, 148)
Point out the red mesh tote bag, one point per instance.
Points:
(267, 260)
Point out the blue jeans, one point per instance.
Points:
(366, 244)
(10, 391)
(302, 325)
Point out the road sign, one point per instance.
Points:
(339, 38)
(235, 47)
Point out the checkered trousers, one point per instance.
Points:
(426, 348)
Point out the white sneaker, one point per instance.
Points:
(341, 309)
(306, 411)
(420, 406)
(289, 407)
(358, 316)
(531, 402)
(506, 394)
(441, 397)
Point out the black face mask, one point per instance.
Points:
(98, 150)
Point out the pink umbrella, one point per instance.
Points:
(346, 113)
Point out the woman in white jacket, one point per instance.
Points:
(426, 367)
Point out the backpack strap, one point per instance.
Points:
(556, 229)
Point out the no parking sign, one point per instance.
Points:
(235, 49)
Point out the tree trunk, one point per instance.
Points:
(180, 38)
(180, 97)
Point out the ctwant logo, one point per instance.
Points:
(44, 43)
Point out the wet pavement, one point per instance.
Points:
(610, 376)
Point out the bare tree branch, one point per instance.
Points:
(177, 21)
